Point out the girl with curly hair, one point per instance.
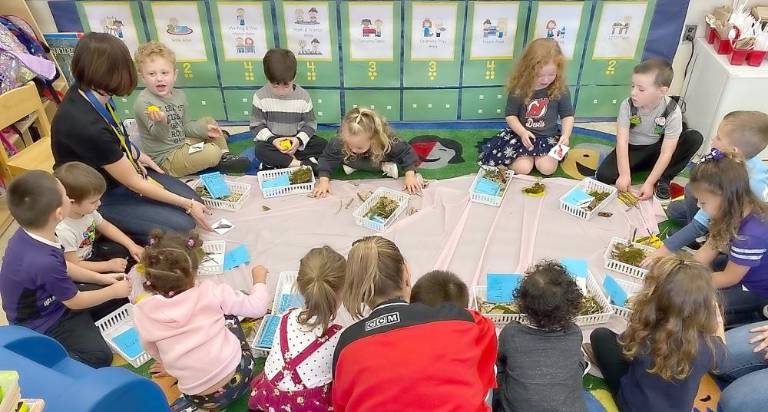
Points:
(540, 364)
(675, 335)
(538, 98)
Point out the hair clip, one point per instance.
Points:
(152, 241)
(713, 155)
(147, 283)
(171, 293)
(191, 243)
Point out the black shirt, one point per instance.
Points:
(540, 114)
(79, 133)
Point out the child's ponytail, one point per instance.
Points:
(374, 273)
(170, 262)
(320, 280)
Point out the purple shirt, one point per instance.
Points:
(749, 249)
(34, 282)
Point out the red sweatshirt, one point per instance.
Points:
(415, 358)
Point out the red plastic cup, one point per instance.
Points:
(711, 35)
(739, 56)
(755, 57)
(723, 46)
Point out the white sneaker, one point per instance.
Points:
(313, 160)
(389, 169)
(348, 170)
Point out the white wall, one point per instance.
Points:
(697, 9)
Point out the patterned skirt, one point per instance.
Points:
(507, 146)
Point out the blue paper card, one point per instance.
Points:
(280, 181)
(576, 267)
(616, 293)
(289, 301)
(128, 342)
(502, 286)
(271, 323)
(487, 187)
(577, 197)
(215, 184)
(236, 257)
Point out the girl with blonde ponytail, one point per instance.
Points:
(406, 357)
(297, 374)
(366, 142)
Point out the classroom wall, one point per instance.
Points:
(406, 88)
(696, 12)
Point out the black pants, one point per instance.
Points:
(81, 338)
(610, 360)
(268, 154)
(644, 158)
(104, 250)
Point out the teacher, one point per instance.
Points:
(139, 196)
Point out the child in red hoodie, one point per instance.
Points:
(191, 329)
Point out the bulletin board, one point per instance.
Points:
(410, 60)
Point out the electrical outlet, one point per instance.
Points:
(690, 32)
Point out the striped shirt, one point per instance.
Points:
(282, 116)
(749, 249)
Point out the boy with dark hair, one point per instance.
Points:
(36, 291)
(282, 117)
(439, 287)
(650, 135)
(78, 231)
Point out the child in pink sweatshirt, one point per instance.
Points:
(191, 330)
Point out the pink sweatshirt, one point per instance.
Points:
(187, 333)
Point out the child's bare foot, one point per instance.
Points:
(259, 274)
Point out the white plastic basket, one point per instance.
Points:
(258, 351)
(631, 288)
(213, 246)
(116, 323)
(623, 268)
(286, 283)
(243, 189)
(588, 185)
(265, 175)
(484, 198)
(500, 320)
(359, 214)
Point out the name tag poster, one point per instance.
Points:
(242, 29)
(179, 27)
(115, 18)
(559, 21)
(307, 27)
(371, 31)
(494, 25)
(618, 32)
(433, 31)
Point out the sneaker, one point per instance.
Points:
(233, 165)
(589, 354)
(389, 169)
(662, 191)
(348, 170)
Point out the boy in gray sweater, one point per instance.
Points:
(179, 145)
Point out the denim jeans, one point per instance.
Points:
(746, 372)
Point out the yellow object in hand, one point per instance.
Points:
(153, 108)
(285, 144)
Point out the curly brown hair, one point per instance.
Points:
(675, 308)
(537, 54)
(171, 261)
(549, 296)
(728, 179)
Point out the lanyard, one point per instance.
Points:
(108, 114)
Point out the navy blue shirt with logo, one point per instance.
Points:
(541, 113)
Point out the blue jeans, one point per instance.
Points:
(137, 216)
(746, 371)
(741, 306)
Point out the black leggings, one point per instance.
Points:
(610, 360)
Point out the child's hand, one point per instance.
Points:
(623, 183)
(322, 188)
(528, 139)
(295, 143)
(283, 144)
(259, 274)
(214, 131)
(412, 183)
(646, 191)
(761, 339)
(564, 140)
(117, 264)
(120, 289)
(136, 252)
(156, 116)
(657, 254)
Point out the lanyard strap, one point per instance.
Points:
(108, 114)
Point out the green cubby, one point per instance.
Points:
(384, 102)
(600, 101)
(430, 105)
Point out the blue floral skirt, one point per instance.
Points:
(507, 146)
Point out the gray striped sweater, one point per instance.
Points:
(281, 116)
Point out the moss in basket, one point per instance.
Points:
(589, 306)
(497, 174)
(597, 197)
(628, 253)
(383, 208)
(301, 175)
(203, 192)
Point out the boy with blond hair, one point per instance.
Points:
(168, 136)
